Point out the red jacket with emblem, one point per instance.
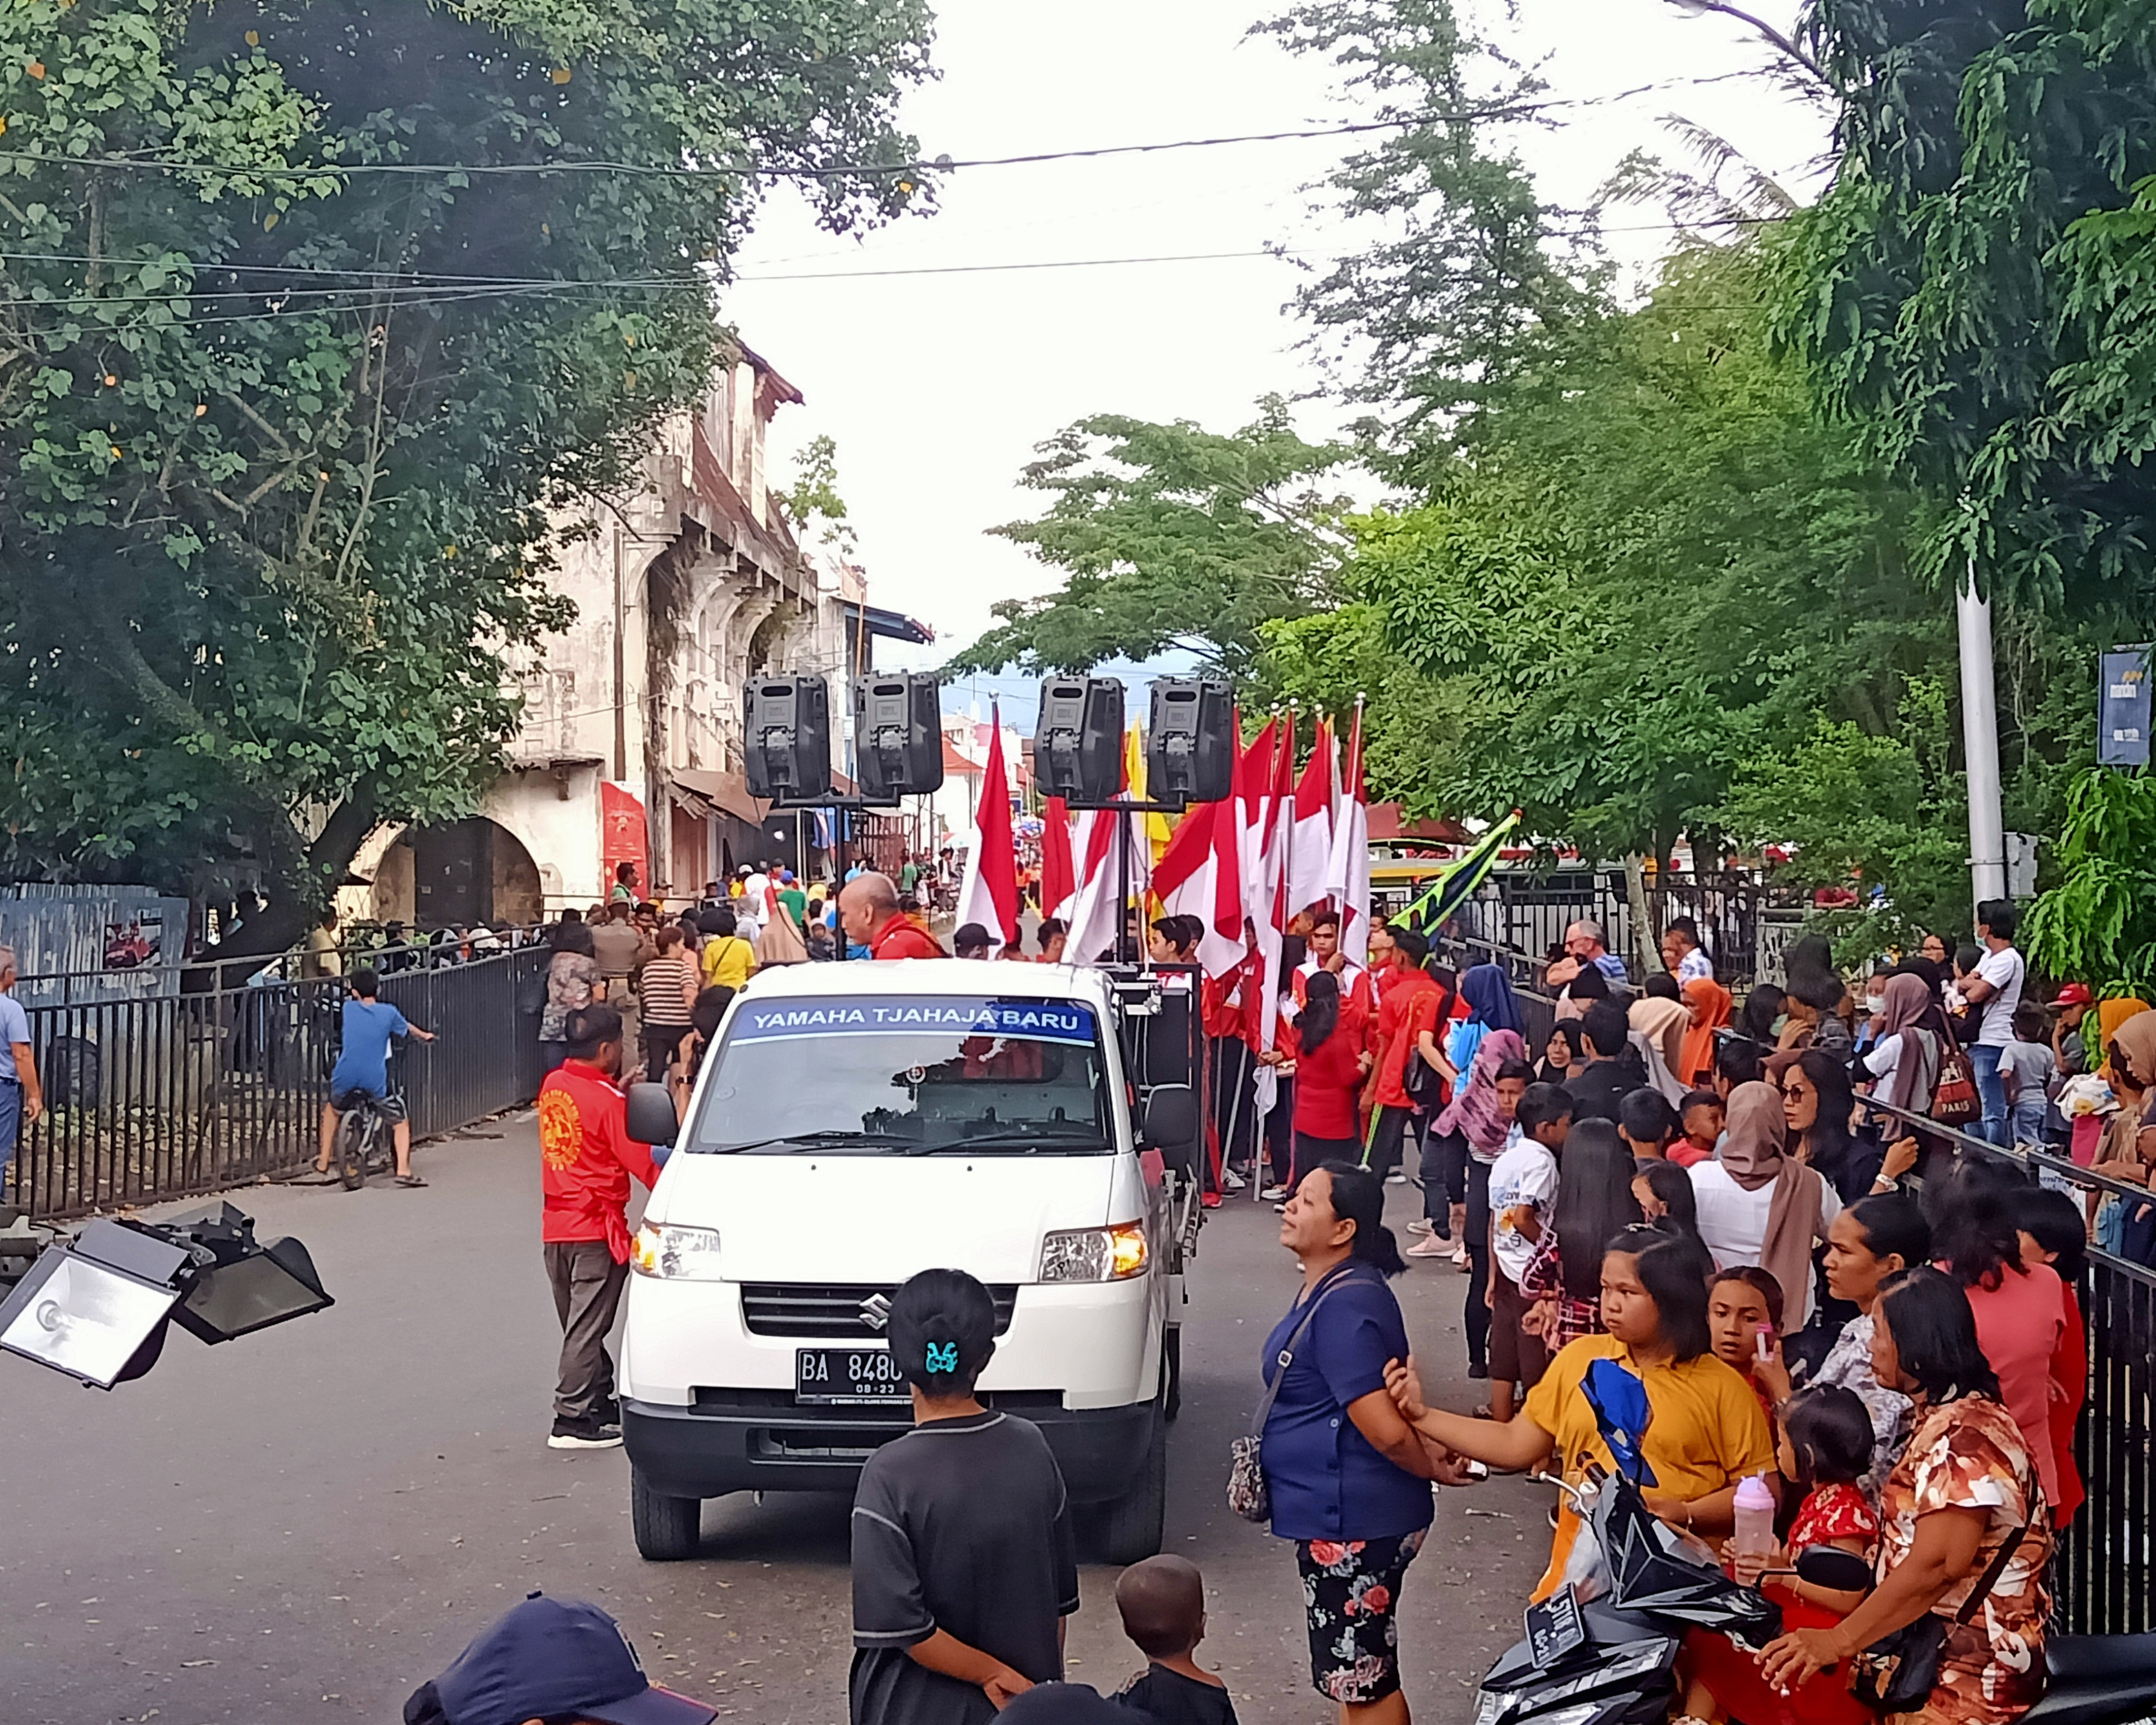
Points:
(586, 1156)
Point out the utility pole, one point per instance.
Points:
(1979, 734)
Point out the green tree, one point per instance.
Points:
(2097, 924)
(1172, 538)
(1975, 289)
(313, 312)
(813, 503)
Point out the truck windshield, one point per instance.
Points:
(910, 1075)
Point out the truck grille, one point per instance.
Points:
(842, 1313)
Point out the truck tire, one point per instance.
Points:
(1130, 1528)
(667, 1529)
(1172, 1362)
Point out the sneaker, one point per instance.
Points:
(1274, 1195)
(1460, 1260)
(1232, 1180)
(1477, 1371)
(1396, 1178)
(1429, 1246)
(584, 1434)
(1420, 1226)
(1211, 1201)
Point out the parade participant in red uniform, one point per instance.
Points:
(1359, 997)
(586, 1159)
(1408, 1005)
(868, 908)
(1228, 1058)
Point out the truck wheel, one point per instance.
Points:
(1130, 1528)
(667, 1529)
(1172, 1360)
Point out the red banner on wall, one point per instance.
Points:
(622, 835)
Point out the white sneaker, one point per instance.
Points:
(1232, 1180)
(1461, 1259)
(1429, 1246)
(1273, 1194)
(1420, 1226)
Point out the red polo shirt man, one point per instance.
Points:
(586, 1160)
(1408, 1001)
(869, 913)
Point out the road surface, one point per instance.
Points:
(305, 1524)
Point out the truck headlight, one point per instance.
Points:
(1094, 1254)
(680, 1254)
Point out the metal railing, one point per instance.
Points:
(2100, 1575)
(167, 1095)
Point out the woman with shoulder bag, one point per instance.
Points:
(1340, 1472)
(1953, 1632)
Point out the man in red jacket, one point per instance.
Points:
(586, 1157)
(868, 913)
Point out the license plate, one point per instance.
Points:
(846, 1376)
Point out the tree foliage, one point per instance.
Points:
(296, 356)
(1172, 538)
(1975, 289)
(2097, 924)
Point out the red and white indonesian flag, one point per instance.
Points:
(988, 891)
(1347, 869)
(1096, 911)
(1198, 877)
(1310, 849)
(1059, 868)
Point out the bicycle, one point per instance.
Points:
(366, 1141)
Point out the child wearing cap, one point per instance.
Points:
(1162, 1605)
(558, 1659)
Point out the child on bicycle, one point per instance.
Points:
(362, 1067)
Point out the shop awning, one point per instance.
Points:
(725, 792)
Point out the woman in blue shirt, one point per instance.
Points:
(1348, 1477)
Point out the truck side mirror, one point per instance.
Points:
(1171, 1125)
(651, 1114)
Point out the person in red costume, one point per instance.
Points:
(869, 911)
(587, 1158)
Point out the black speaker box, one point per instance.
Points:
(1190, 741)
(898, 734)
(787, 737)
(1078, 742)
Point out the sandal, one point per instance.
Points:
(410, 1180)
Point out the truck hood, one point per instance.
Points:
(880, 1218)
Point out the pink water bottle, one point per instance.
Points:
(1755, 1517)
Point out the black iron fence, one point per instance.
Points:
(167, 1095)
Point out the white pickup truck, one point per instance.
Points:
(857, 1122)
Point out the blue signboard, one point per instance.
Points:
(2122, 718)
(899, 1014)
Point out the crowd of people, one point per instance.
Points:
(1833, 1307)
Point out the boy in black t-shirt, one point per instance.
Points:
(1163, 1603)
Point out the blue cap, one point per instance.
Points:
(548, 1658)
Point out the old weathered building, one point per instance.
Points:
(631, 746)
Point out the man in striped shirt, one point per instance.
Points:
(666, 991)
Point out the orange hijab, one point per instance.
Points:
(1711, 1004)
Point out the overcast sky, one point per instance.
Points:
(937, 386)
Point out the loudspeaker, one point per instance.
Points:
(1190, 743)
(786, 736)
(1078, 740)
(898, 734)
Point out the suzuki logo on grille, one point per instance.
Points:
(875, 1310)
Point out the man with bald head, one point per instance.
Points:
(869, 911)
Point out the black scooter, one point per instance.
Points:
(1612, 1660)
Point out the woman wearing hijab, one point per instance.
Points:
(1708, 1004)
(1758, 1205)
(1907, 1042)
(1447, 1157)
(1564, 1055)
(2128, 1150)
(1658, 1022)
(1479, 1119)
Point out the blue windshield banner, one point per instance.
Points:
(899, 1015)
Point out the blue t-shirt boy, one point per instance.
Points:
(364, 1063)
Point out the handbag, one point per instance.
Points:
(1897, 1673)
(1247, 1494)
(1955, 1100)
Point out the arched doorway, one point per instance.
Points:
(460, 873)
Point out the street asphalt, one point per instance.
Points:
(306, 1523)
